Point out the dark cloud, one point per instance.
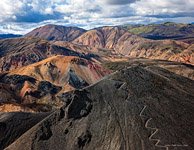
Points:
(172, 15)
(119, 2)
(36, 17)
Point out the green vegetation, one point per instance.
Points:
(142, 29)
(168, 30)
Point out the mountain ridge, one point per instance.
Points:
(82, 122)
(56, 32)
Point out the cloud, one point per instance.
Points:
(19, 16)
(119, 2)
(164, 8)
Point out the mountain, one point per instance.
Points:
(102, 89)
(124, 43)
(39, 86)
(15, 53)
(135, 108)
(166, 30)
(56, 32)
(5, 36)
(104, 37)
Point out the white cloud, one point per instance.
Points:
(164, 7)
(19, 16)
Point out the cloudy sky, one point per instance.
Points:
(21, 16)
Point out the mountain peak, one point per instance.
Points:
(56, 32)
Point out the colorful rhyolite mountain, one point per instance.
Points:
(44, 83)
(57, 33)
(127, 44)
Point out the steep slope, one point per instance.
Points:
(95, 53)
(39, 87)
(127, 44)
(15, 53)
(135, 108)
(11, 127)
(104, 37)
(56, 32)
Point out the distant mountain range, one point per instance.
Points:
(167, 30)
(99, 43)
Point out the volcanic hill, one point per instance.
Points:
(135, 108)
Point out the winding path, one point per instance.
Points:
(156, 130)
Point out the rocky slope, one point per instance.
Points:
(99, 44)
(95, 53)
(61, 70)
(13, 125)
(39, 87)
(15, 53)
(56, 32)
(105, 37)
(127, 44)
(135, 108)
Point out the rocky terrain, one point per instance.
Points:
(182, 69)
(56, 32)
(127, 44)
(107, 88)
(135, 108)
(39, 87)
(16, 53)
(13, 125)
(118, 41)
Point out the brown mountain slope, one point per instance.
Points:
(15, 53)
(131, 45)
(44, 82)
(96, 54)
(135, 108)
(56, 32)
(56, 70)
(105, 37)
